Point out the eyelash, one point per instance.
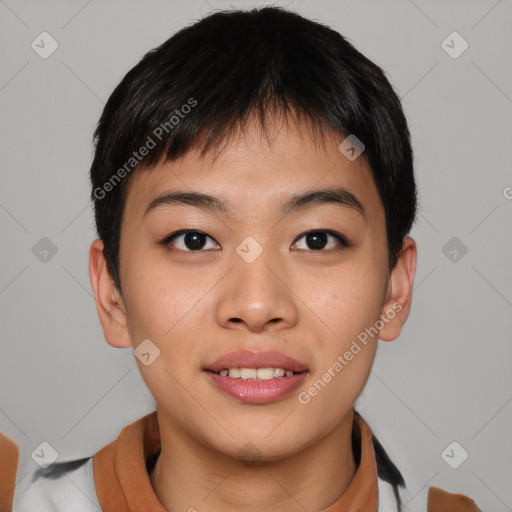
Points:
(342, 239)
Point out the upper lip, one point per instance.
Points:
(248, 359)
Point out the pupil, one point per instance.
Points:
(317, 240)
(194, 241)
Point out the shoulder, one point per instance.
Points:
(61, 487)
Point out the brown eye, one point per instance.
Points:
(319, 240)
(187, 240)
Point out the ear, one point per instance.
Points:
(109, 303)
(398, 302)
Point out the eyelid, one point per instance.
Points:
(167, 239)
(344, 242)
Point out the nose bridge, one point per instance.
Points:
(255, 293)
(253, 262)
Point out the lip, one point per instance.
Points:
(257, 392)
(248, 359)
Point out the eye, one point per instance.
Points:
(194, 241)
(317, 240)
(189, 240)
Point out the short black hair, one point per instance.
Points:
(212, 77)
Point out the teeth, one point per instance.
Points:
(255, 373)
(247, 373)
(264, 373)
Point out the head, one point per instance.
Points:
(251, 108)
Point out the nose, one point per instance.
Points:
(257, 296)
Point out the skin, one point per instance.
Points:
(307, 303)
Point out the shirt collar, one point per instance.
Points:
(122, 481)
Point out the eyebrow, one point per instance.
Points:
(338, 195)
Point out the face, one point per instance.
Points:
(305, 281)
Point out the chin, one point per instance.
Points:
(245, 446)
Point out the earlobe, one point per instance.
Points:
(109, 303)
(398, 303)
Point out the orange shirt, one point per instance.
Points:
(9, 455)
(122, 481)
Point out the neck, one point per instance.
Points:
(189, 476)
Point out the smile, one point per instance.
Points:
(256, 374)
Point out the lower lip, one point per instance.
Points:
(258, 392)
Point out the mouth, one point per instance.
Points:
(256, 374)
(256, 377)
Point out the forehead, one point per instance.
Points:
(254, 172)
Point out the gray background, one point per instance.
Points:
(447, 378)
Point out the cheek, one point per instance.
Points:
(163, 312)
(349, 303)
(344, 356)
(157, 301)
(169, 312)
